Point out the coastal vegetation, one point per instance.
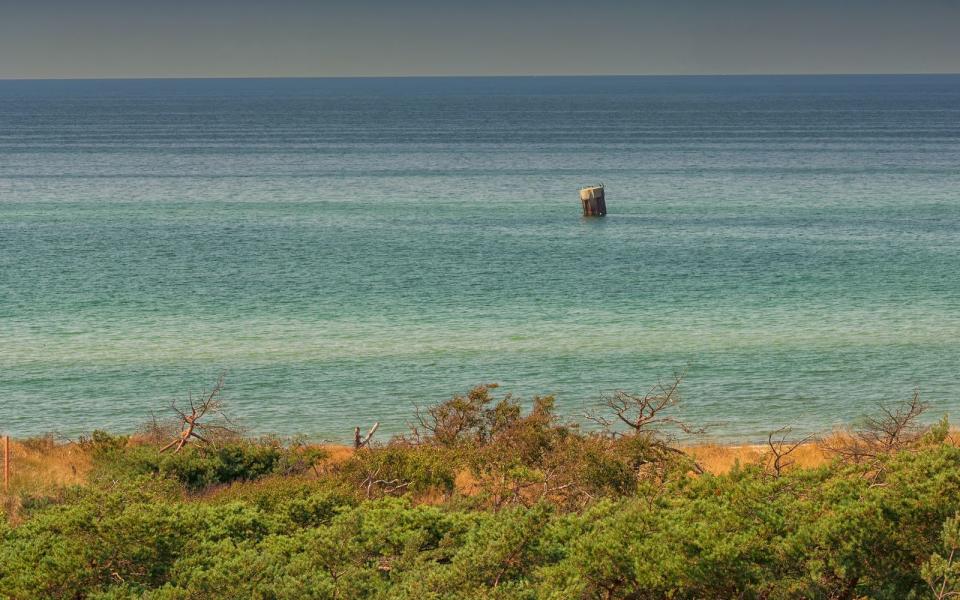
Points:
(489, 497)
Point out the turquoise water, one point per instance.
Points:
(345, 248)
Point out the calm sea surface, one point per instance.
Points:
(345, 248)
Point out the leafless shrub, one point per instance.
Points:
(894, 428)
(159, 430)
(373, 482)
(649, 416)
(205, 422)
(649, 412)
(41, 443)
(778, 458)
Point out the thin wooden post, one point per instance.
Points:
(6, 464)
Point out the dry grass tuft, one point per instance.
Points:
(810, 455)
(336, 453)
(466, 483)
(718, 459)
(43, 466)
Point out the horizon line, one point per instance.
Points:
(474, 76)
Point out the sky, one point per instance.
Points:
(303, 38)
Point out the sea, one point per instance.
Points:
(348, 249)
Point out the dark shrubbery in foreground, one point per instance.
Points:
(484, 501)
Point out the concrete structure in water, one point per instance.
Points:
(592, 199)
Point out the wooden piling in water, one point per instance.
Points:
(593, 201)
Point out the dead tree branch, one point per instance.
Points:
(781, 449)
(650, 416)
(209, 405)
(360, 442)
(646, 412)
(894, 428)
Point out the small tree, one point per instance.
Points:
(649, 418)
(647, 413)
(777, 458)
(894, 428)
(461, 419)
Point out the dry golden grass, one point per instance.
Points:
(719, 459)
(43, 466)
(466, 483)
(336, 453)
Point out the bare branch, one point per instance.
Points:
(894, 428)
(209, 404)
(781, 449)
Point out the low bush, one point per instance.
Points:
(199, 467)
(504, 504)
(398, 470)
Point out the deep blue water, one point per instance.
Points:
(347, 247)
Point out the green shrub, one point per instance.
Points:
(199, 467)
(942, 571)
(293, 502)
(398, 470)
(554, 513)
(93, 540)
(834, 532)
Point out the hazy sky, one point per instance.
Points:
(163, 38)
